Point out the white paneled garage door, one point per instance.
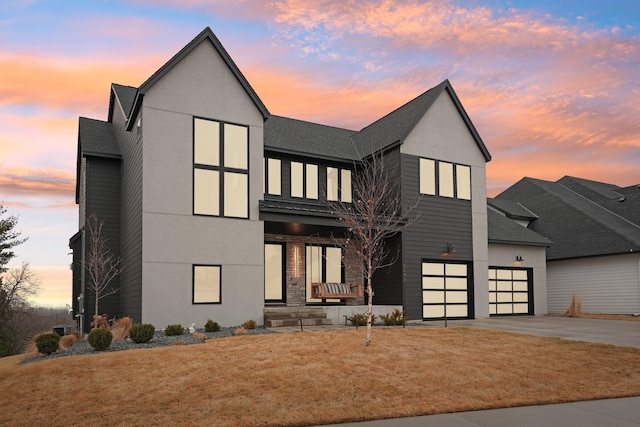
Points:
(445, 290)
(510, 291)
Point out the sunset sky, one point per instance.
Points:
(553, 87)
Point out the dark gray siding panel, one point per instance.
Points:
(440, 221)
(131, 218)
(103, 200)
(387, 281)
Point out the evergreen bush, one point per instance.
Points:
(142, 333)
(47, 343)
(176, 329)
(249, 324)
(100, 338)
(211, 326)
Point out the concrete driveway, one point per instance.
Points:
(615, 332)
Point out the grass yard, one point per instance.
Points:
(315, 378)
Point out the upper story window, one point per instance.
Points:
(304, 180)
(339, 184)
(220, 169)
(273, 176)
(445, 179)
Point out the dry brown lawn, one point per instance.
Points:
(315, 378)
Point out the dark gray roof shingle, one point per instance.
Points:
(512, 209)
(579, 226)
(96, 138)
(126, 95)
(505, 230)
(306, 138)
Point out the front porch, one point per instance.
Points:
(293, 262)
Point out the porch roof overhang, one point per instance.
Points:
(299, 218)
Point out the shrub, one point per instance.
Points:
(249, 324)
(396, 317)
(47, 343)
(172, 330)
(100, 321)
(142, 333)
(120, 328)
(240, 331)
(68, 340)
(211, 326)
(360, 319)
(100, 338)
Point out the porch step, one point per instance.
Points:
(291, 316)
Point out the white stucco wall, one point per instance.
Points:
(606, 284)
(173, 239)
(501, 255)
(442, 134)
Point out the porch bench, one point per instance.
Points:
(336, 290)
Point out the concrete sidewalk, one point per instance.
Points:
(623, 412)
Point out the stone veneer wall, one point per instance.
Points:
(296, 286)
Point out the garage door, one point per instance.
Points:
(445, 290)
(510, 291)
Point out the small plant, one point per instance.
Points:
(360, 319)
(249, 324)
(172, 330)
(100, 338)
(68, 341)
(120, 328)
(211, 326)
(100, 321)
(47, 343)
(240, 331)
(142, 333)
(575, 309)
(396, 317)
(199, 336)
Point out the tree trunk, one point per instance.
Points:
(367, 341)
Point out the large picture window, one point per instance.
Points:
(445, 179)
(206, 284)
(220, 169)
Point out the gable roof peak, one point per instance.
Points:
(205, 35)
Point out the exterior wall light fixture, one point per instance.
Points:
(519, 258)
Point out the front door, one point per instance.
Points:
(323, 264)
(274, 289)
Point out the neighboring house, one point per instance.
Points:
(218, 208)
(595, 228)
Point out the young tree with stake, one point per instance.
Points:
(375, 215)
(100, 263)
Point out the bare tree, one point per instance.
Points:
(100, 263)
(16, 286)
(376, 214)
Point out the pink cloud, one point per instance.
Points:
(37, 188)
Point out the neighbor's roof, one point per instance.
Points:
(583, 218)
(507, 231)
(512, 209)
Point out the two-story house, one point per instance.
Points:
(218, 209)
